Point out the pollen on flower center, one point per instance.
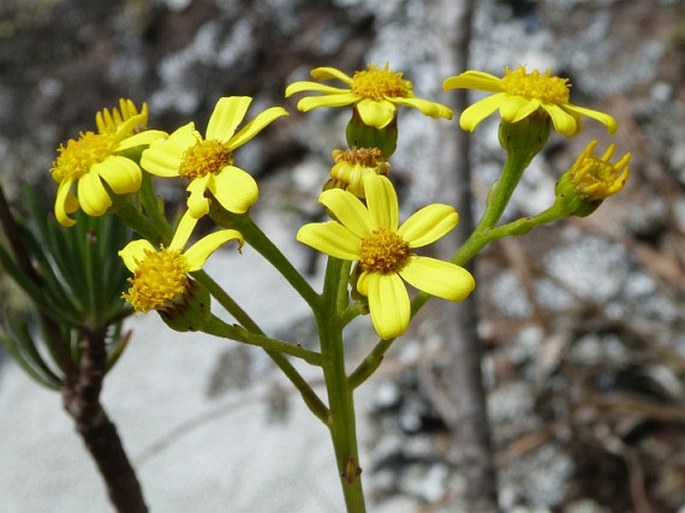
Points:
(203, 158)
(160, 280)
(383, 251)
(367, 157)
(534, 85)
(76, 158)
(376, 84)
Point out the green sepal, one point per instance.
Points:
(526, 137)
(571, 201)
(360, 135)
(191, 312)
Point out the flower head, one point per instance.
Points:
(597, 178)
(520, 94)
(371, 236)
(208, 163)
(590, 180)
(375, 92)
(352, 165)
(161, 279)
(94, 165)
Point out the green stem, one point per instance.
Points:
(153, 204)
(219, 328)
(482, 236)
(501, 191)
(353, 311)
(341, 421)
(156, 233)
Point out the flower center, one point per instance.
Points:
(543, 87)
(384, 252)
(79, 155)
(203, 158)
(376, 84)
(160, 280)
(366, 157)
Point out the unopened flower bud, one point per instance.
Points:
(591, 179)
(352, 165)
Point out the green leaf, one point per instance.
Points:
(21, 346)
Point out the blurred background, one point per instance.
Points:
(580, 323)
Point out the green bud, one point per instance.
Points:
(360, 135)
(526, 137)
(591, 179)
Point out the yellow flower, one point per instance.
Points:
(94, 159)
(352, 165)
(161, 276)
(208, 162)
(375, 92)
(371, 236)
(520, 94)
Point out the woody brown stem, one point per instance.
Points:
(81, 400)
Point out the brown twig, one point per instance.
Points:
(81, 400)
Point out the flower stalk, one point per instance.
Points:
(341, 420)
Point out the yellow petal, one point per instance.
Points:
(121, 174)
(388, 304)
(142, 139)
(526, 109)
(198, 204)
(183, 231)
(428, 224)
(227, 115)
(564, 122)
(473, 80)
(480, 110)
(381, 199)
(135, 252)
(235, 189)
(92, 195)
(602, 117)
(512, 105)
(255, 126)
(305, 85)
(348, 210)
(163, 157)
(363, 283)
(329, 73)
(198, 253)
(377, 114)
(429, 108)
(330, 238)
(328, 100)
(438, 278)
(64, 200)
